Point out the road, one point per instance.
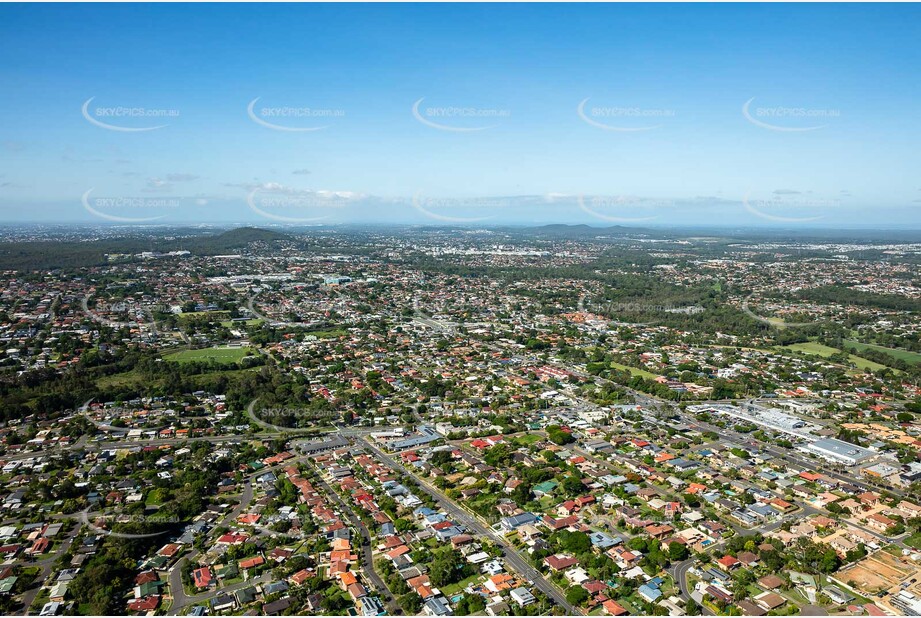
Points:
(45, 565)
(84, 444)
(651, 402)
(180, 598)
(679, 570)
(679, 573)
(474, 524)
(174, 575)
(788, 456)
(367, 556)
(210, 594)
(471, 521)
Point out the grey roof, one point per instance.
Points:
(438, 606)
(515, 521)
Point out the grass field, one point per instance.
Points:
(217, 315)
(227, 356)
(817, 349)
(327, 334)
(134, 379)
(812, 347)
(119, 380)
(231, 324)
(905, 355)
(634, 371)
(526, 439)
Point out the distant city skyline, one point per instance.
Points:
(788, 116)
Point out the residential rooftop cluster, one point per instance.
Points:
(494, 423)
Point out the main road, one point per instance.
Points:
(789, 455)
(85, 444)
(471, 522)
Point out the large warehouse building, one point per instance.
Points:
(840, 451)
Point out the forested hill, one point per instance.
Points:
(53, 254)
(240, 238)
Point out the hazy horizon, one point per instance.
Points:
(654, 115)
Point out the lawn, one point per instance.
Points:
(153, 499)
(914, 540)
(811, 347)
(327, 334)
(208, 315)
(120, 380)
(134, 379)
(630, 607)
(224, 355)
(231, 324)
(526, 439)
(39, 601)
(869, 365)
(905, 355)
(459, 586)
(634, 371)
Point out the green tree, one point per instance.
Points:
(411, 603)
(677, 551)
(576, 595)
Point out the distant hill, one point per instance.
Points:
(233, 239)
(50, 255)
(562, 230)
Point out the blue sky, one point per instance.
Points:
(830, 136)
